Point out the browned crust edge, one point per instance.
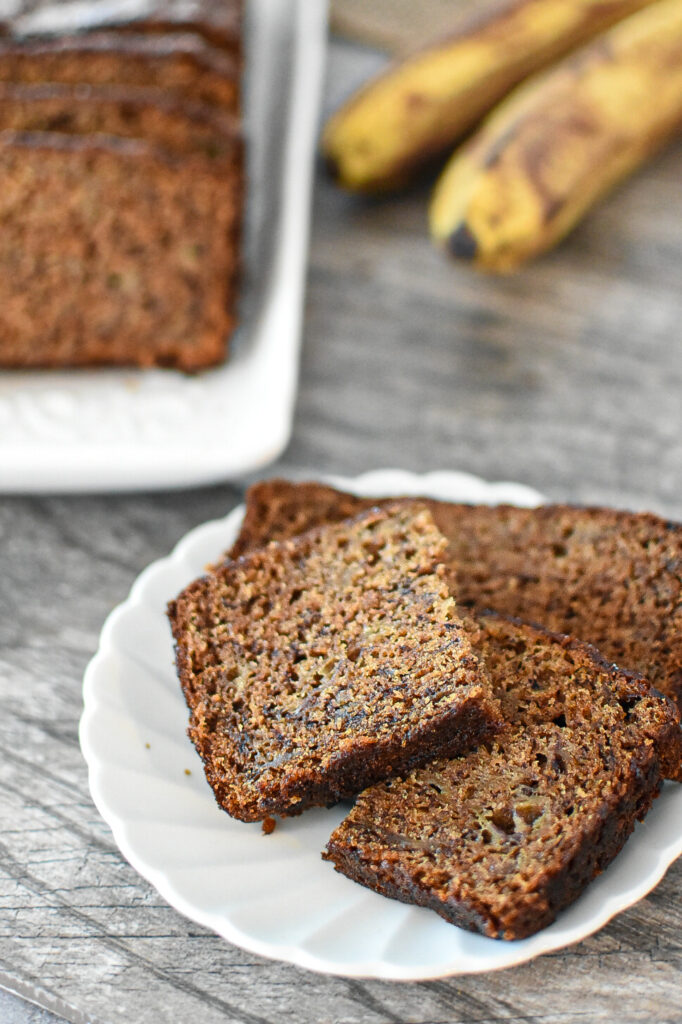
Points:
(600, 844)
(257, 495)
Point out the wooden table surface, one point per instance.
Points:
(567, 377)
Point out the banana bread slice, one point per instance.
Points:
(218, 21)
(182, 64)
(318, 665)
(114, 251)
(501, 839)
(610, 577)
(178, 126)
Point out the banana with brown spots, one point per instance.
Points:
(561, 141)
(422, 106)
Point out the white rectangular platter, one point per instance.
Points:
(111, 430)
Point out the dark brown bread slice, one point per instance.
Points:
(610, 577)
(181, 64)
(501, 839)
(320, 664)
(149, 114)
(113, 251)
(218, 21)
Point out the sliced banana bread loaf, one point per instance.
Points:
(320, 664)
(114, 251)
(128, 111)
(182, 64)
(218, 21)
(611, 578)
(501, 839)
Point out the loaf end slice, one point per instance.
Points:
(318, 665)
(501, 839)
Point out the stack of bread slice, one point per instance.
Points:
(610, 577)
(122, 163)
(343, 649)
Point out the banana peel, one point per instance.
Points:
(422, 106)
(562, 141)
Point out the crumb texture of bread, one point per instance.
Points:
(501, 839)
(127, 254)
(320, 664)
(611, 578)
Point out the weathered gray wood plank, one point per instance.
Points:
(566, 377)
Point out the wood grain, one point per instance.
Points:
(397, 26)
(566, 377)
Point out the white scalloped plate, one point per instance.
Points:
(113, 429)
(273, 895)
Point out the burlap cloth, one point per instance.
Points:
(395, 25)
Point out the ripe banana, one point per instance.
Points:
(424, 105)
(561, 141)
